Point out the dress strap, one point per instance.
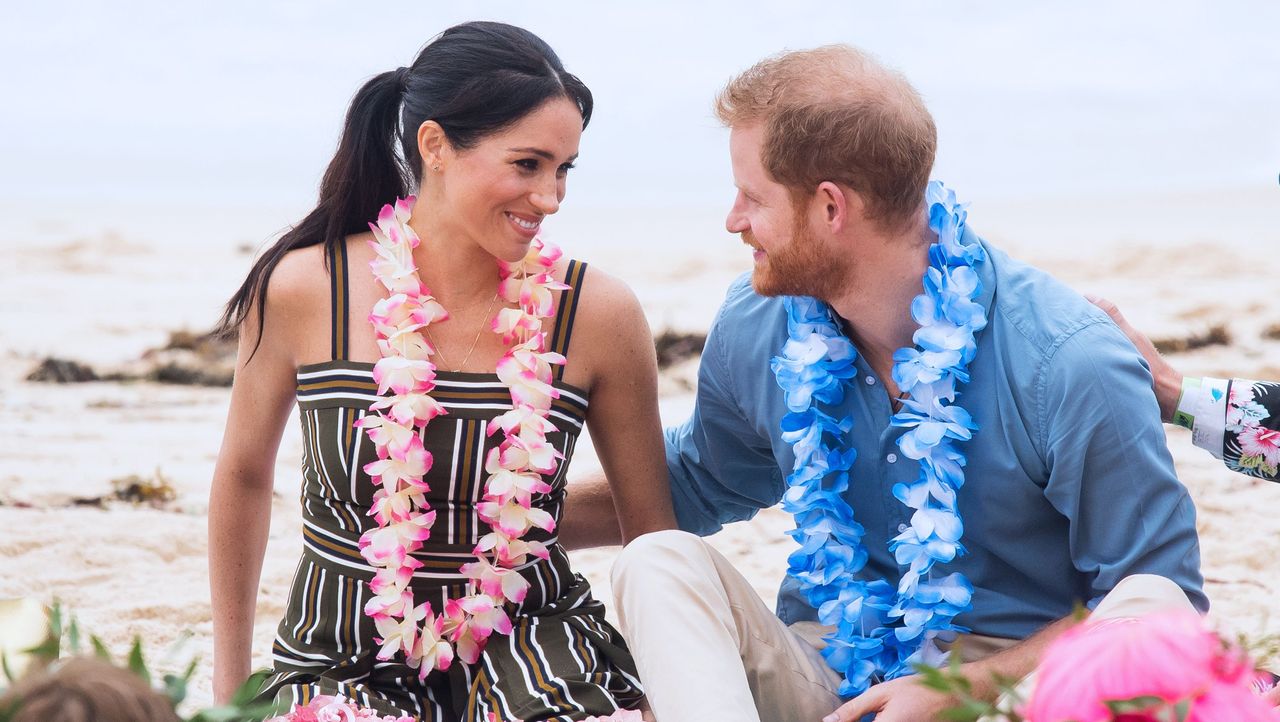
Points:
(339, 292)
(573, 275)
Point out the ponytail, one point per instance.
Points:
(365, 173)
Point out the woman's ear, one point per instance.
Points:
(433, 146)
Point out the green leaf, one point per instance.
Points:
(247, 691)
(50, 649)
(175, 686)
(1182, 709)
(55, 620)
(4, 666)
(239, 712)
(73, 637)
(970, 711)
(99, 649)
(137, 664)
(1136, 704)
(933, 678)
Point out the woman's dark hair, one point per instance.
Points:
(474, 79)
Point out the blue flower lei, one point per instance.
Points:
(881, 632)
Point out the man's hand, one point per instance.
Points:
(898, 700)
(1168, 382)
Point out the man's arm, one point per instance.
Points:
(1166, 381)
(1236, 420)
(906, 700)
(720, 468)
(1110, 473)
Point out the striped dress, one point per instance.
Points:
(562, 661)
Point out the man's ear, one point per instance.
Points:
(833, 206)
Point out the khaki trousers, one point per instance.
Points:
(708, 648)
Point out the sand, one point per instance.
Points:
(130, 570)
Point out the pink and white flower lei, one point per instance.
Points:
(329, 708)
(405, 376)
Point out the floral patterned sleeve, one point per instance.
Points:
(1236, 420)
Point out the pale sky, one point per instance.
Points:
(241, 102)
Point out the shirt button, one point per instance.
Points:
(891, 458)
(902, 528)
(871, 380)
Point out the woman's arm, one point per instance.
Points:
(623, 414)
(262, 396)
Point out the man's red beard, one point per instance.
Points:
(804, 267)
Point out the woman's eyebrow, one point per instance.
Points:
(541, 153)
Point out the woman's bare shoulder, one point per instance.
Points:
(605, 300)
(299, 279)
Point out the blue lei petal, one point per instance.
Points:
(881, 630)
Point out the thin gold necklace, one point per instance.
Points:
(474, 341)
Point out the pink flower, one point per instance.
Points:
(394, 472)
(389, 508)
(510, 552)
(403, 375)
(1170, 656)
(496, 581)
(622, 715)
(327, 708)
(531, 355)
(518, 453)
(390, 545)
(471, 620)
(410, 409)
(1241, 394)
(532, 292)
(505, 486)
(405, 311)
(407, 343)
(390, 586)
(430, 650)
(514, 323)
(1234, 702)
(386, 432)
(397, 635)
(521, 420)
(513, 519)
(1261, 441)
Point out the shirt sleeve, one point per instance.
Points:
(1110, 473)
(722, 470)
(1202, 408)
(1251, 428)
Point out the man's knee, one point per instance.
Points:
(658, 552)
(1141, 594)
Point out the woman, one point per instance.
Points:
(432, 582)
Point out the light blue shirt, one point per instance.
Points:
(1069, 486)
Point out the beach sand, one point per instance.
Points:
(130, 570)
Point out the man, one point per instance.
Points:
(1068, 488)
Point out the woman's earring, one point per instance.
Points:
(436, 167)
